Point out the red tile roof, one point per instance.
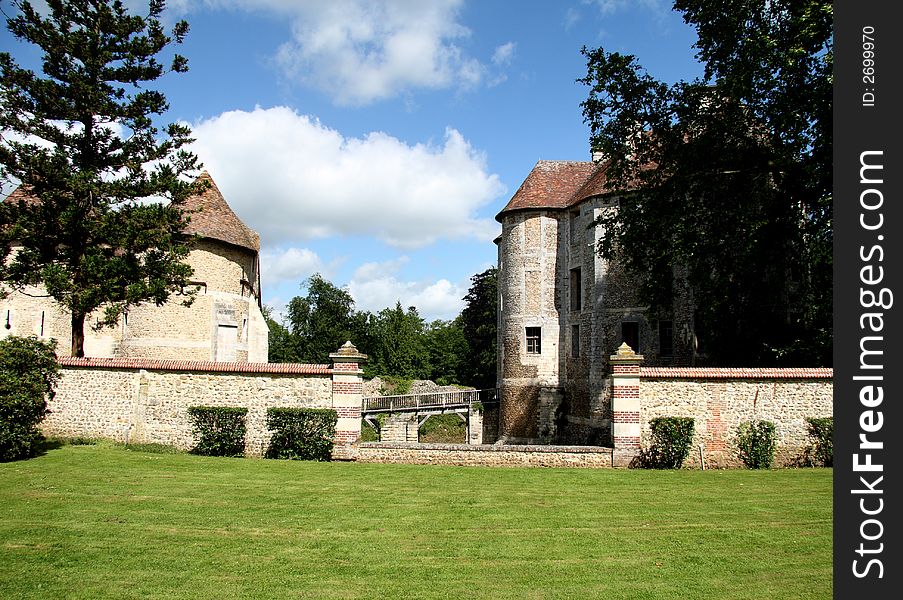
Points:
(196, 365)
(551, 184)
(736, 373)
(215, 220)
(20, 193)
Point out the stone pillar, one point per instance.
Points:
(474, 426)
(625, 405)
(400, 427)
(347, 394)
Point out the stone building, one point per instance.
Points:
(223, 324)
(564, 310)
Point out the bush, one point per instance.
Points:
(301, 433)
(28, 372)
(756, 443)
(219, 430)
(820, 451)
(671, 439)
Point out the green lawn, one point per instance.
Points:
(103, 522)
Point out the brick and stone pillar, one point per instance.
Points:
(625, 404)
(347, 395)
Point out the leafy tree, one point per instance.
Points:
(81, 139)
(448, 351)
(283, 345)
(479, 321)
(728, 178)
(398, 344)
(323, 320)
(28, 372)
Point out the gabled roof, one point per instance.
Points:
(212, 218)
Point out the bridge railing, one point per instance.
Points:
(412, 402)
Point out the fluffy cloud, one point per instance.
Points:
(290, 177)
(292, 264)
(375, 286)
(362, 51)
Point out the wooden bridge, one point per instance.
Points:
(404, 410)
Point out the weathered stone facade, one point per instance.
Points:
(564, 311)
(141, 400)
(223, 323)
(552, 282)
(719, 400)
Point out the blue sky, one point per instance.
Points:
(375, 141)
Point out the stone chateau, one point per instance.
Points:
(224, 323)
(564, 310)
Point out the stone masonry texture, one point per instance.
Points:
(150, 405)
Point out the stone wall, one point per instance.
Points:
(226, 296)
(139, 400)
(720, 399)
(484, 455)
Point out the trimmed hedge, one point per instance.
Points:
(671, 440)
(219, 430)
(820, 451)
(28, 372)
(301, 433)
(756, 444)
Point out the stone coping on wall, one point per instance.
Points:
(483, 455)
(196, 366)
(544, 448)
(735, 373)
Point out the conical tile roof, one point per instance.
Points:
(551, 184)
(212, 218)
(210, 215)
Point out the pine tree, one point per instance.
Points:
(81, 139)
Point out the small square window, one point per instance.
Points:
(534, 340)
(575, 341)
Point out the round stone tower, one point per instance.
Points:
(530, 356)
(224, 322)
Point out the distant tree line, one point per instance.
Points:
(398, 341)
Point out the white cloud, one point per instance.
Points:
(504, 54)
(374, 287)
(290, 177)
(362, 51)
(291, 264)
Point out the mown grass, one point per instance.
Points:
(98, 521)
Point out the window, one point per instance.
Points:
(576, 289)
(575, 341)
(666, 338)
(630, 334)
(534, 340)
